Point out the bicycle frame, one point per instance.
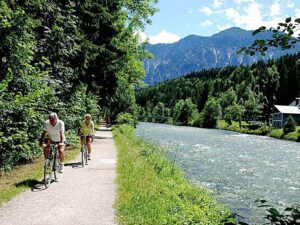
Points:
(51, 165)
(84, 150)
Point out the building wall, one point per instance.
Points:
(295, 117)
(279, 119)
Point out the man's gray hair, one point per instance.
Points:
(53, 115)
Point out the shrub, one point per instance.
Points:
(289, 126)
(125, 118)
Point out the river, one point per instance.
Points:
(240, 168)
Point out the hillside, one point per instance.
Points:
(194, 53)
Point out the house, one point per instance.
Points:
(284, 111)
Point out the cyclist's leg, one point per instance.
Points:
(61, 152)
(89, 144)
(82, 140)
(89, 147)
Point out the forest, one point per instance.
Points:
(244, 93)
(66, 56)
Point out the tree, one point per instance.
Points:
(234, 112)
(252, 105)
(282, 36)
(290, 125)
(228, 98)
(211, 113)
(159, 112)
(183, 111)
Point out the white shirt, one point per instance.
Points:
(54, 131)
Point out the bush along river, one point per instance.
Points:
(240, 168)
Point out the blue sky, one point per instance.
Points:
(179, 18)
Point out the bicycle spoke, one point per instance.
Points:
(82, 156)
(85, 155)
(55, 167)
(47, 172)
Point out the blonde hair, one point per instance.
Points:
(53, 115)
(88, 115)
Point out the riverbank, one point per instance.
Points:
(151, 190)
(237, 167)
(264, 131)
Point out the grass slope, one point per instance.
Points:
(152, 190)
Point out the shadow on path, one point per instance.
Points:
(99, 137)
(33, 184)
(103, 129)
(74, 165)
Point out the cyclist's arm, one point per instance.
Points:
(42, 138)
(79, 130)
(62, 132)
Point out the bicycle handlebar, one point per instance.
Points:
(87, 135)
(55, 145)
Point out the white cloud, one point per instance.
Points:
(163, 37)
(251, 17)
(243, 1)
(297, 13)
(290, 4)
(217, 3)
(233, 15)
(206, 23)
(223, 27)
(206, 10)
(275, 9)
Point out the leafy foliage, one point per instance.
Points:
(282, 36)
(71, 57)
(211, 113)
(244, 93)
(290, 125)
(125, 118)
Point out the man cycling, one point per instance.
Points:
(55, 129)
(87, 128)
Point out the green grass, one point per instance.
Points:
(275, 133)
(151, 190)
(23, 177)
(292, 136)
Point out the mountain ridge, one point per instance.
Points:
(194, 53)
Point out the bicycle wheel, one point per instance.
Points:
(47, 172)
(82, 156)
(55, 166)
(85, 155)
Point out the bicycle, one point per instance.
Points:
(51, 164)
(84, 150)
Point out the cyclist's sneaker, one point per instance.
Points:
(89, 157)
(61, 167)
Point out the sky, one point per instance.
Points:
(177, 19)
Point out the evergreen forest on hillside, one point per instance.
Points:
(232, 93)
(66, 56)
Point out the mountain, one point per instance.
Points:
(194, 53)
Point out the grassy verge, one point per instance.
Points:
(26, 176)
(276, 133)
(152, 190)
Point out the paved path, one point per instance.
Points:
(81, 196)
